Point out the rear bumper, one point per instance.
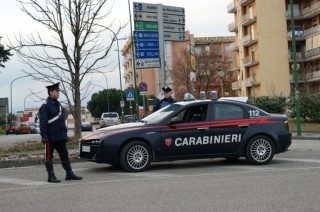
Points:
(285, 141)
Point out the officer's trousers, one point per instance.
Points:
(59, 146)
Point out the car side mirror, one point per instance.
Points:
(175, 120)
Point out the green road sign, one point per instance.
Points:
(146, 25)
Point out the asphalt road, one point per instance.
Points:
(289, 183)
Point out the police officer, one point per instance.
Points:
(167, 100)
(53, 132)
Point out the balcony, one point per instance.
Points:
(248, 40)
(250, 82)
(234, 67)
(232, 8)
(232, 47)
(299, 35)
(235, 85)
(246, 2)
(299, 57)
(249, 61)
(312, 11)
(297, 15)
(248, 19)
(311, 31)
(233, 27)
(313, 53)
(310, 77)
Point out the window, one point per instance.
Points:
(228, 112)
(314, 22)
(194, 113)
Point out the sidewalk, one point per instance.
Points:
(306, 136)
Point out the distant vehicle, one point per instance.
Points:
(227, 128)
(109, 119)
(32, 126)
(129, 118)
(37, 128)
(86, 126)
(17, 128)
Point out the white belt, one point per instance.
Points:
(56, 117)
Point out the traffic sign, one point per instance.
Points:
(173, 27)
(146, 25)
(152, 53)
(130, 95)
(174, 36)
(146, 35)
(143, 86)
(145, 7)
(147, 44)
(144, 16)
(148, 63)
(121, 103)
(173, 10)
(173, 19)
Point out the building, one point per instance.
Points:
(263, 45)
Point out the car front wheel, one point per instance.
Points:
(135, 156)
(260, 150)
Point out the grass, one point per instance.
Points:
(308, 126)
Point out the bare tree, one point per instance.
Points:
(78, 45)
(305, 72)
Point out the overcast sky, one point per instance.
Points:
(204, 18)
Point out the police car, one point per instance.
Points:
(227, 128)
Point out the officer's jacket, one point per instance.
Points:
(57, 130)
(164, 102)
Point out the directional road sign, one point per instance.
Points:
(173, 36)
(173, 27)
(148, 63)
(143, 54)
(146, 25)
(147, 44)
(145, 7)
(173, 19)
(173, 10)
(144, 16)
(146, 35)
(130, 95)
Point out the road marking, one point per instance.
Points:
(299, 160)
(23, 182)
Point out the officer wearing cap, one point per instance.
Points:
(167, 100)
(53, 132)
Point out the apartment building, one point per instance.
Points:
(263, 44)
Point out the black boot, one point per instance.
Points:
(69, 173)
(51, 176)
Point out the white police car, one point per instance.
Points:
(227, 128)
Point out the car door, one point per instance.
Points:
(230, 123)
(185, 138)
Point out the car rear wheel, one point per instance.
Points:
(135, 156)
(260, 150)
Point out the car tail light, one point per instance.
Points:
(286, 123)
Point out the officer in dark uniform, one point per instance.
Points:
(53, 132)
(167, 100)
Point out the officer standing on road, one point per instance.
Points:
(167, 100)
(53, 132)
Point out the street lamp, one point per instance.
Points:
(221, 75)
(24, 103)
(11, 90)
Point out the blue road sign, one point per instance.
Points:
(147, 44)
(152, 53)
(143, 86)
(130, 95)
(146, 35)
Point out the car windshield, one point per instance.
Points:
(110, 115)
(161, 114)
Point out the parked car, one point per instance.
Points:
(37, 128)
(227, 128)
(129, 118)
(86, 126)
(109, 119)
(18, 128)
(32, 126)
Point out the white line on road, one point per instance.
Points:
(23, 182)
(299, 160)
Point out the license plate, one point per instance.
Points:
(85, 148)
